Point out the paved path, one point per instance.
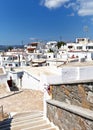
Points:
(26, 100)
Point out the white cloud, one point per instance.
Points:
(83, 7)
(72, 14)
(74, 6)
(86, 7)
(53, 3)
(32, 38)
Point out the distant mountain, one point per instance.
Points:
(4, 47)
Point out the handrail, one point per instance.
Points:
(1, 111)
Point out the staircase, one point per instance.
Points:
(28, 121)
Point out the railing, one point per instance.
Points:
(1, 112)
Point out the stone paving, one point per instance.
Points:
(23, 101)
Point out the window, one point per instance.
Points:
(70, 47)
(79, 47)
(16, 65)
(89, 47)
(10, 64)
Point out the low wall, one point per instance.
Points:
(76, 73)
(71, 106)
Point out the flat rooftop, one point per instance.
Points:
(77, 64)
(47, 70)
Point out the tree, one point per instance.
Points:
(10, 48)
(50, 51)
(60, 43)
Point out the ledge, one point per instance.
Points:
(73, 82)
(83, 112)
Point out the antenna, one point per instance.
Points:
(85, 28)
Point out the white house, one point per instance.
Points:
(3, 78)
(51, 45)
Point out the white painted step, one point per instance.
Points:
(28, 121)
(51, 128)
(21, 122)
(33, 117)
(38, 127)
(28, 125)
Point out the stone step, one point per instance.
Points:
(33, 116)
(38, 127)
(6, 124)
(26, 114)
(21, 119)
(28, 121)
(51, 128)
(27, 125)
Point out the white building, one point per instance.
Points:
(3, 78)
(81, 44)
(51, 45)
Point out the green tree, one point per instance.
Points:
(50, 51)
(60, 43)
(10, 48)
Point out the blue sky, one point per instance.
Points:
(30, 20)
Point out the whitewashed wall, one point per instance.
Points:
(16, 77)
(77, 73)
(30, 82)
(71, 74)
(3, 78)
(86, 73)
(60, 75)
(89, 55)
(50, 55)
(13, 75)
